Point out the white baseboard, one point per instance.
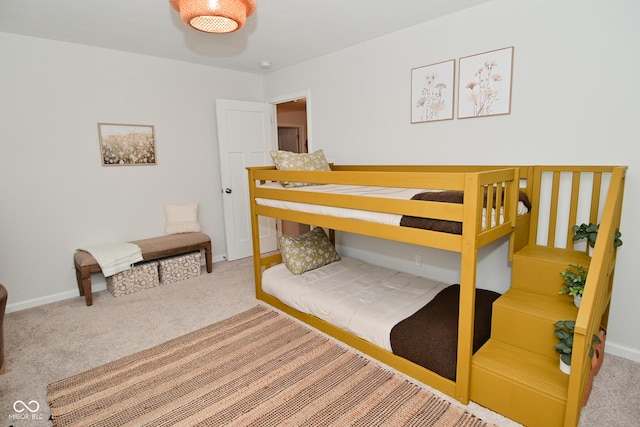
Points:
(622, 351)
(23, 305)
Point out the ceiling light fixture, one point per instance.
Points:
(214, 16)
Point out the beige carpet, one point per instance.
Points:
(53, 341)
(256, 368)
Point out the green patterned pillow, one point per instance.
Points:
(288, 161)
(308, 251)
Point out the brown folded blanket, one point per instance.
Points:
(449, 196)
(430, 336)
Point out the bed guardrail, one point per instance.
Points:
(419, 179)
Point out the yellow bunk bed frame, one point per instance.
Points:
(474, 181)
(471, 180)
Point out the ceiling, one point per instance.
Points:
(283, 32)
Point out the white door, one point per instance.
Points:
(245, 138)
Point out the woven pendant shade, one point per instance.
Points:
(214, 16)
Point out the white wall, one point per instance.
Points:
(55, 195)
(575, 101)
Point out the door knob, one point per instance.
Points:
(227, 190)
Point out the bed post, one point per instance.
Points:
(520, 237)
(255, 235)
(473, 201)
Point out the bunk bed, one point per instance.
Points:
(467, 207)
(488, 211)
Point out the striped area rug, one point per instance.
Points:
(258, 368)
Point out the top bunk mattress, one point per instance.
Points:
(377, 217)
(361, 298)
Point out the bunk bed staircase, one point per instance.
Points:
(516, 373)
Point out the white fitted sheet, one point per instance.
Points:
(356, 190)
(361, 298)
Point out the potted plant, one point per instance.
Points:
(590, 232)
(575, 277)
(564, 347)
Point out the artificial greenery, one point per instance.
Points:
(575, 277)
(564, 333)
(590, 232)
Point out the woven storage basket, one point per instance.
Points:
(141, 276)
(179, 268)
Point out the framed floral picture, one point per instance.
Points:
(432, 92)
(484, 84)
(126, 145)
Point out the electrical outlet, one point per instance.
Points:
(419, 260)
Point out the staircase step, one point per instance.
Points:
(519, 384)
(537, 268)
(525, 319)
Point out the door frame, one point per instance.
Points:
(306, 94)
(303, 94)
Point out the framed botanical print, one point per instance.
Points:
(484, 84)
(432, 92)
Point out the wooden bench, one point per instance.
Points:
(154, 248)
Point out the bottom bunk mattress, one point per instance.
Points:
(414, 317)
